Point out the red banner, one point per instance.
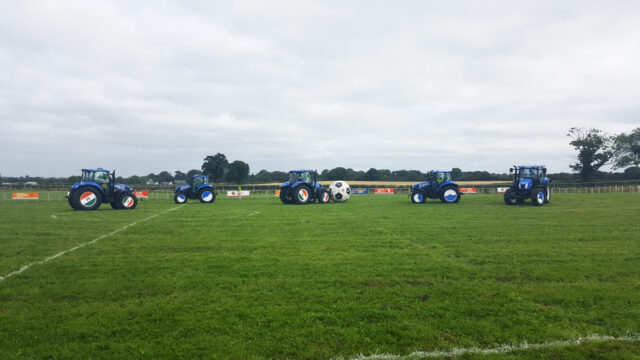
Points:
(385, 191)
(141, 194)
(21, 196)
(469, 190)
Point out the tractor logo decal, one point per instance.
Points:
(450, 195)
(325, 197)
(207, 196)
(303, 194)
(127, 201)
(88, 198)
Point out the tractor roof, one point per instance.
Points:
(300, 171)
(98, 169)
(531, 166)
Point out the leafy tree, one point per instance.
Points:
(215, 166)
(372, 175)
(594, 151)
(627, 149)
(338, 173)
(164, 176)
(238, 171)
(279, 176)
(456, 173)
(191, 173)
(179, 175)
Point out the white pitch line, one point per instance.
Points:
(26, 267)
(505, 348)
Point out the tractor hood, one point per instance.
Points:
(420, 185)
(525, 184)
(286, 184)
(122, 187)
(182, 188)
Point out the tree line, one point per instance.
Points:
(595, 149)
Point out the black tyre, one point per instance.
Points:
(70, 199)
(302, 195)
(86, 198)
(548, 197)
(206, 195)
(510, 197)
(114, 204)
(126, 201)
(180, 198)
(285, 196)
(450, 195)
(323, 196)
(537, 196)
(418, 196)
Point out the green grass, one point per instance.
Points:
(375, 275)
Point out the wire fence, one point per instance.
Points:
(58, 192)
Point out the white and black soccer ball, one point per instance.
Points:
(340, 191)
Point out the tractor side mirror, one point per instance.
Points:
(510, 170)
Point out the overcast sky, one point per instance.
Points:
(146, 86)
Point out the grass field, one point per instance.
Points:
(377, 275)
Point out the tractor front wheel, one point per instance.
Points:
(302, 195)
(126, 201)
(284, 196)
(510, 198)
(548, 198)
(180, 198)
(538, 196)
(450, 195)
(418, 197)
(323, 196)
(206, 196)
(86, 198)
(70, 200)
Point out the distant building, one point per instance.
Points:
(31, 183)
(180, 182)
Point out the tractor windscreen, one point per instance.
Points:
(294, 177)
(87, 176)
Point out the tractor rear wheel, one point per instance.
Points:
(206, 196)
(323, 196)
(418, 197)
(450, 195)
(302, 195)
(180, 198)
(87, 198)
(510, 198)
(538, 196)
(126, 201)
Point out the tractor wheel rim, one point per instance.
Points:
(325, 197)
(88, 198)
(127, 201)
(417, 197)
(207, 196)
(181, 198)
(540, 197)
(303, 194)
(450, 195)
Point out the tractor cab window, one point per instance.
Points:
(87, 176)
(294, 177)
(527, 173)
(198, 181)
(306, 177)
(101, 177)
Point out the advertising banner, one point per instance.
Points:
(385, 191)
(277, 192)
(141, 194)
(502, 190)
(360, 191)
(25, 196)
(469, 190)
(234, 194)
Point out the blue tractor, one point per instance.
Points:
(529, 182)
(437, 186)
(99, 186)
(197, 188)
(302, 188)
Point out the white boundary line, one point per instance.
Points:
(26, 267)
(501, 349)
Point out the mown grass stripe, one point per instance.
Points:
(506, 348)
(26, 267)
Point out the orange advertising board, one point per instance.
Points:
(469, 190)
(25, 196)
(141, 194)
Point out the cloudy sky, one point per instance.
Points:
(148, 86)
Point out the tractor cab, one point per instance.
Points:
(529, 182)
(437, 185)
(197, 188)
(101, 177)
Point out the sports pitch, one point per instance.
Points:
(376, 275)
